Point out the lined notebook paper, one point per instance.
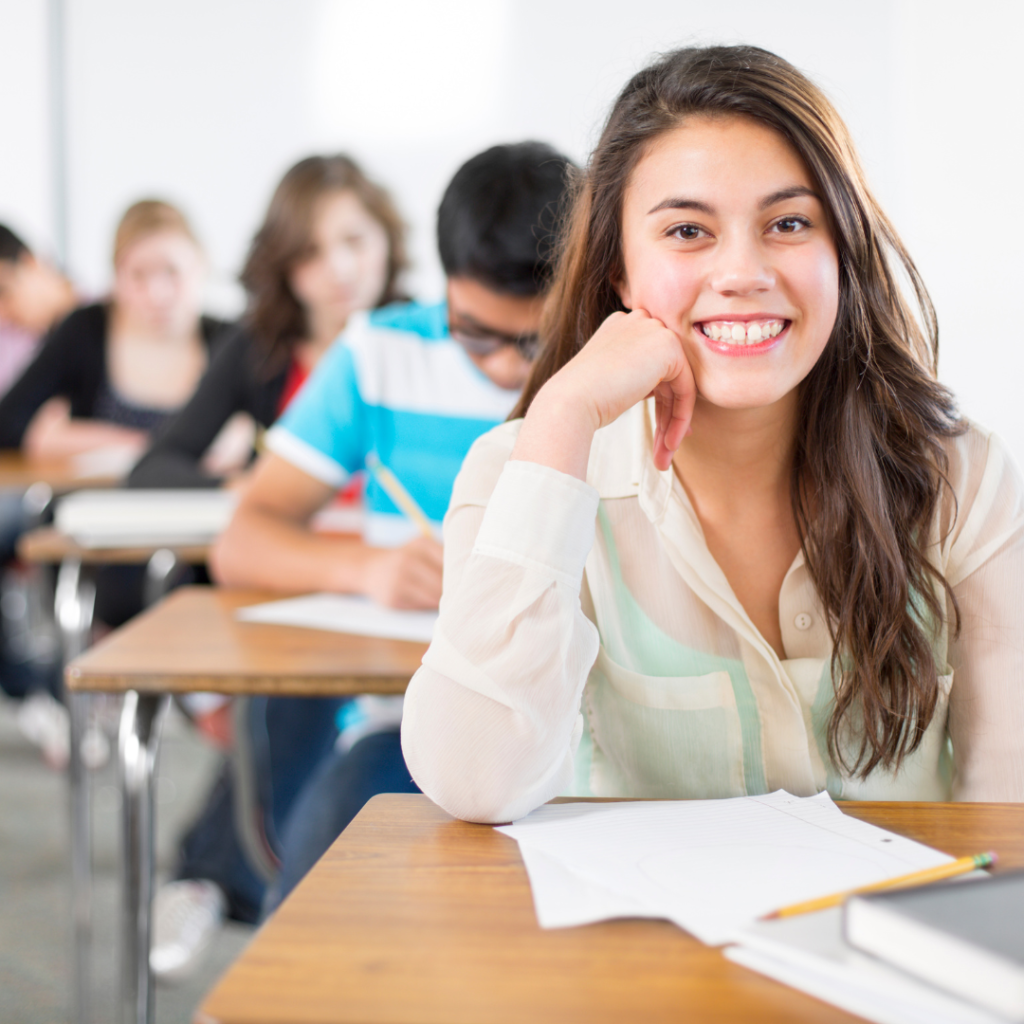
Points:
(341, 614)
(711, 866)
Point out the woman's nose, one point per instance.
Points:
(160, 289)
(741, 268)
(343, 263)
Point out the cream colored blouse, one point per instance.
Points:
(589, 644)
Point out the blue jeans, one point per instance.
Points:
(22, 669)
(289, 738)
(332, 797)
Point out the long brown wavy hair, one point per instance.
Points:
(869, 460)
(275, 315)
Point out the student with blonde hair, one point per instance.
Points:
(114, 371)
(108, 376)
(736, 536)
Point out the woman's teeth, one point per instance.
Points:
(746, 333)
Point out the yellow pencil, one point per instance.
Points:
(950, 870)
(392, 487)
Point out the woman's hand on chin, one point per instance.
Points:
(632, 356)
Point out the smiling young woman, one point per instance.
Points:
(805, 568)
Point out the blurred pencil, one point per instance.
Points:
(950, 870)
(392, 487)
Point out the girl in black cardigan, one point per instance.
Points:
(112, 373)
(332, 243)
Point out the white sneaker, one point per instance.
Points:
(95, 747)
(186, 916)
(44, 722)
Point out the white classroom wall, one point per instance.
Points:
(208, 101)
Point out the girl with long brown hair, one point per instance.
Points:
(739, 538)
(331, 243)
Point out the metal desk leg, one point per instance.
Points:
(162, 569)
(138, 742)
(74, 600)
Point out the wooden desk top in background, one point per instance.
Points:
(47, 546)
(192, 641)
(16, 470)
(413, 918)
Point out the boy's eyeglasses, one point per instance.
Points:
(485, 345)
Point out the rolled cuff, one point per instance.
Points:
(541, 518)
(302, 455)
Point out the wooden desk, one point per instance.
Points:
(17, 470)
(414, 918)
(190, 642)
(48, 546)
(74, 604)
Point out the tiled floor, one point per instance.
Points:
(35, 919)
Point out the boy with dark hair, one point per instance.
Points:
(412, 386)
(403, 384)
(34, 296)
(480, 233)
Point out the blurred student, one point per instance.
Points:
(114, 371)
(402, 386)
(106, 377)
(34, 296)
(414, 386)
(332, 243)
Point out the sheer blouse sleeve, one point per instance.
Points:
(492, 718)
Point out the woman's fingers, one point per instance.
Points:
(631, 356)
(674, 400)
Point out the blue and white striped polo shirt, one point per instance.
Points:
(394, 384)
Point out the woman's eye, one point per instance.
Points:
(688, 232)
(790, 225)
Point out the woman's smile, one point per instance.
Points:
(732, 336)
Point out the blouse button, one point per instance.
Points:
(803, 621)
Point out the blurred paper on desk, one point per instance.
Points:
(339, 613)
(119, 518)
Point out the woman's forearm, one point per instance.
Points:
(53, 435)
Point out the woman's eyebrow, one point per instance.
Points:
(679, 203)
(793, 192)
